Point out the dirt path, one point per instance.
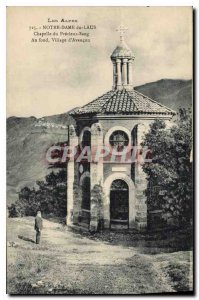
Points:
(66, 262)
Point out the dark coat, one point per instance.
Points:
(38, 223)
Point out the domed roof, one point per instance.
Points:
(122, 51)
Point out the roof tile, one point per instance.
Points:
(123, 102)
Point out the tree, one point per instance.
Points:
(49, 197)
(170, 171)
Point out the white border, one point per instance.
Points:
(3, 149)
(193, 3)
(3, 4)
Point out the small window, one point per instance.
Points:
(86, 193)
(118, 140)
(86, 139)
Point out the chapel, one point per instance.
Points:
(117, 120)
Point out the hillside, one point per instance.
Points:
(26, 148)
(29, 138)
(169, 92)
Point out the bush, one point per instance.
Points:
(13, 211)
(50, 197)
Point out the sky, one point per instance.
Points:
(52, 78)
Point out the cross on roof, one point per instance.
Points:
(121, 29)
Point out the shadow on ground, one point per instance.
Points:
(21, 237)
(151, 242)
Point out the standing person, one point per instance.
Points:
(38, 226)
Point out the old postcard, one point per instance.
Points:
(99, 150)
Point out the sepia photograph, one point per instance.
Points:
(99, 137)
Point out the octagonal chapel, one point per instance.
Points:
(118, 121)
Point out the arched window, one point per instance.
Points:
(119, 184)
(86, 138)
(86, 193)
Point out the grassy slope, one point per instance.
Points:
(71, 263)
(26, 149)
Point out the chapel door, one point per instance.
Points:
(119, 203)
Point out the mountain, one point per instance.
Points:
(169, 92)
(29, 138)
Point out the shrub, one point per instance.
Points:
(50, 197)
